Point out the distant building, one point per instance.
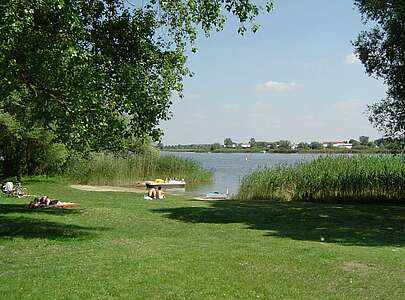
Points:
(343, 145)
(338, 145)
(230, 146)
(245, 145)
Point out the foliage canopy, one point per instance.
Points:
(97, 74)
(382, 51)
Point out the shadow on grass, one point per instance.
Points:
(20, 208)
(25, 224)
(362, 225)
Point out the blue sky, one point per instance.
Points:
(295, 79)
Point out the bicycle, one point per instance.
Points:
(17, 191)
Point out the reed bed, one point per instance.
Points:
(331, 179)
(106, 169)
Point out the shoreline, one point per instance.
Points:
(281, 152)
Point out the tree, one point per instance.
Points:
(392, 144)
(302, 145)
(284, 145)
(96, 74)
(315, 145)
(215, 146)
(371, 144)
(364, 140)
(354, 142)
(380, 142)
(272, 146)
(252, 142)
(261, 144)
(228, 142)
(381, 49)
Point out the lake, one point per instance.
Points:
(229, 168)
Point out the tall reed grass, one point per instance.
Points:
(331, 179)
(106, 169)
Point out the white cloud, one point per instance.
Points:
(276, 86)
(352, 59)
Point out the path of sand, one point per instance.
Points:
(105, 188)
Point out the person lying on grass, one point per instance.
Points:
(45, 202)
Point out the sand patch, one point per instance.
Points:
(106, 188)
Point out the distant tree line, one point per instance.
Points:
(362, 144)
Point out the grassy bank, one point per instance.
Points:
(331, 179)
(104, 169)
(119, 246)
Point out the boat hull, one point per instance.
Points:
(166, 185)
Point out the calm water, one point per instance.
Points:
(229, 168)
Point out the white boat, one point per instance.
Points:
(166, 184)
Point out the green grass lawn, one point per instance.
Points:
(118, 245)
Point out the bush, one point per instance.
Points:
(53, 160)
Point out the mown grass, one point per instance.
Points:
(331, 179)
(105, 169)
(118, 245)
